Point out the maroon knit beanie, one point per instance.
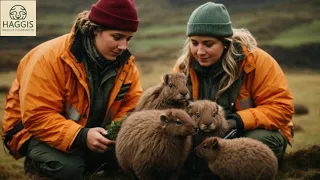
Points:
(115, 14)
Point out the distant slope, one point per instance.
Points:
(161, 34)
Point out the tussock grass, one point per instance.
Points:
(302, 34)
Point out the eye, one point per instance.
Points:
(116, 37)
(208, 44)
(194, 43)
(205, 147)
(214, 115)
(178, 123)
(170, 85)
(198, 115)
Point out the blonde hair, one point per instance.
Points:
(86, 27)
(229, 65)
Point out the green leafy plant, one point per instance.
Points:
(113, 128)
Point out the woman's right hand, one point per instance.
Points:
(97, 142)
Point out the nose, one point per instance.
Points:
(207, 123)
(183, 94)
(201, 50)
(123, 45)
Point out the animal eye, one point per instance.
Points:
(198, 115)
(205, 147)
(214, 115)
(178, 123)
(170, 85)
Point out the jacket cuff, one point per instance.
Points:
(81, 139)
(239, 123)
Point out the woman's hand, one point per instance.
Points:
(97, 142)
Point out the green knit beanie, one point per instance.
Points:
(210, 19)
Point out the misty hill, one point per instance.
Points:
(288, 29)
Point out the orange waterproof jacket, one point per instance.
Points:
(264, 100)
(51, 96)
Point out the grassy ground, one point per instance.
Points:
(305, 86)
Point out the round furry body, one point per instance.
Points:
(240, 158)
(154, 144)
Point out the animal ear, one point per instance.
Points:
(166, 78)
(215, 143)
(164, 119)
(221, 111)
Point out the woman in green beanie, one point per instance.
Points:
(225, 65)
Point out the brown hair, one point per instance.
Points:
(87, 27)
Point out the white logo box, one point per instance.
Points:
(18, 18)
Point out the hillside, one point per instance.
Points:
(289, 30)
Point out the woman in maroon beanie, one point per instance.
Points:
(69, 88)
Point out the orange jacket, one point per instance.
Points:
(51, 95)
(264, 100)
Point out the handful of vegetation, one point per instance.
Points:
(113, 129)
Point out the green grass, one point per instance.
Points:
(56, 19)
(150, 44)
(303, 34)
(305, 88)
(162, 31)
(59, 23)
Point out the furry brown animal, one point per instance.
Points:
(171, 93)
(154, 144)
(210, 118)
(240, 158)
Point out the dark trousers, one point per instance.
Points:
(56, 164)
(273, 139)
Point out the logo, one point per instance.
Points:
(18, 12)
(18, 18)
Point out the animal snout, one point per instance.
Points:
(207, 123)
(184, 94)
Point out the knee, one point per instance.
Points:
(273, 139)
(270, 138)
(258, 134)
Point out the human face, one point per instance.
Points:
(111, 43)
(205, 49)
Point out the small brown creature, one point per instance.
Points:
(154, 144)
(211, 121)
(210, 118)
(171, 93)
(240, 158)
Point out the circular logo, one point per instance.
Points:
(18, 12)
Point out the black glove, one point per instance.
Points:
(235, 122)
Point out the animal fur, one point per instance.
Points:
(154, 144)
(240, 158)
(210, 118)
(171, 93)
